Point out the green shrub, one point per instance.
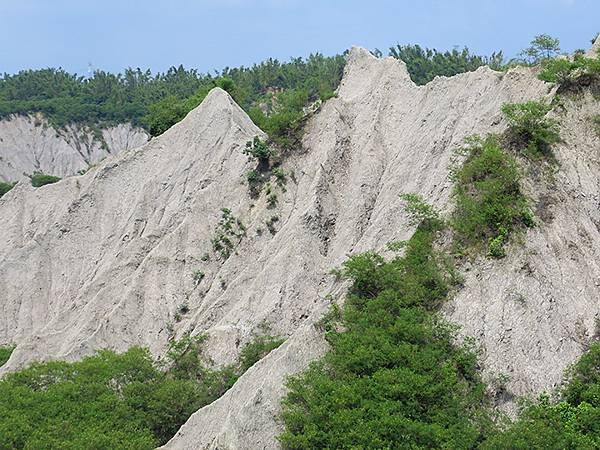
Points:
(39, 179)
(284, 124)
(5, 187)
(571, 74)
(418, 210)
(198, 276)
(488, 198)
(280, 175)
(529, 128)
(5, 353)
(261, 151)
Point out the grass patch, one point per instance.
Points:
(596, 124)
(489, 203)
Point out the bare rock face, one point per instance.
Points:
(106, 259)
(30, 144)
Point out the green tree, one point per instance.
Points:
(542, 47)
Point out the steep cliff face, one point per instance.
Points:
(106, 259)
(537, 310)
(30, 144)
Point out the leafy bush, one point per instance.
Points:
(39, 179)
(5, 187)
(104, 401)
(394, 378)
(571, 422)
(284, 123)
(571, 74)
(418, 210)
(529, 128)
(488, 198)
(261, 151)
(5, 353)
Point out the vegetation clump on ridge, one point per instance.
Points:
(39, 179)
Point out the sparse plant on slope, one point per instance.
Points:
(488, 198)
(419, 210)
(228, 234)
(261, 151)
(530, 131)
(596, 124)
(39, 179)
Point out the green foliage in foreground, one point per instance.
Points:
(530, 131)
(394, 377)
(113, 401)
(571, 422)
(488, 197)
(424, 64)
(5, 353)
(39, 179)
(5, 187)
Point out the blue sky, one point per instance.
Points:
(212, 34)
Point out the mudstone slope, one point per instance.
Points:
(106, 259)
(31, 144)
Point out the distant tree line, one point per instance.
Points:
(157, 101)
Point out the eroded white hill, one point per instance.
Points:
(30, 144)
(106, 259)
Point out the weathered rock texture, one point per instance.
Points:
(29, 144)
(106, 259)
